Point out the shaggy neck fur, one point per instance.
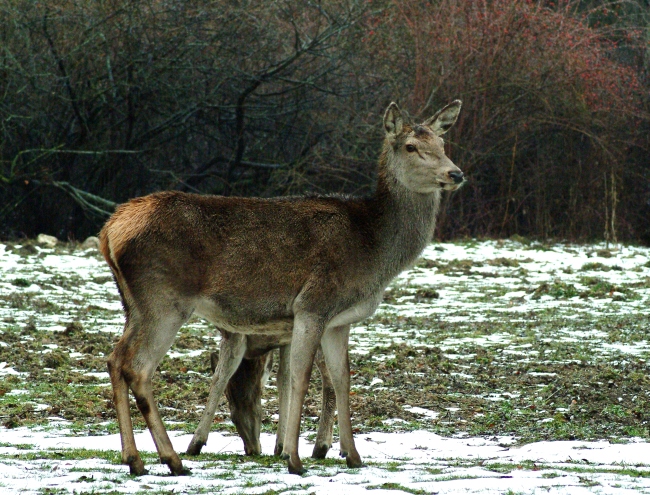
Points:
(406, 219)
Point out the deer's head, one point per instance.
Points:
(419, 161)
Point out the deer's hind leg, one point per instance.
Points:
(148, 335)
(130, 453)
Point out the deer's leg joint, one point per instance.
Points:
(143, 405)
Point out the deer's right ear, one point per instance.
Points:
(444, 118)
(393, 120)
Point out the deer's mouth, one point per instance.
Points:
(451, 186)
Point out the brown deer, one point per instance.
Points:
(269, 272)
(244, 394)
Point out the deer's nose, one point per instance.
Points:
(457, 177)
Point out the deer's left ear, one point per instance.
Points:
(442, 121)
(393, 120)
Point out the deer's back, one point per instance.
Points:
(248, 257)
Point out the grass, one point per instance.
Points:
(397, 486)
(71, 454)
(565, 358)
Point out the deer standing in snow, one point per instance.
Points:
(291, 272)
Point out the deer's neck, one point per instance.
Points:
(405, 219)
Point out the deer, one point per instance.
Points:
(244, 394)
(288, 272)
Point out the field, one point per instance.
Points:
(491, 367)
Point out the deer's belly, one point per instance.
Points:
(272, 322)
(243, 320)
(279, 329)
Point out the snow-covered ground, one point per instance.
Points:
(414, 462)
(461, 283)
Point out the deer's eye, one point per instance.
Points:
(410, 148)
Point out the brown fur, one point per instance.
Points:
(122, 227)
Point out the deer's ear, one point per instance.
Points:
(442, 121)
(393, 120)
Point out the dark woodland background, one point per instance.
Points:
(101, 101)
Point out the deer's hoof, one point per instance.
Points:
(298, 469)
(294, 463)
(182, 471)
(253, 450)
(175, 466)
(136, 467)
(194, 448)
(320, 451)
(353, 460)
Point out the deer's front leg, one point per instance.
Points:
(327, 411)
(335, 351)
(307, 332)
